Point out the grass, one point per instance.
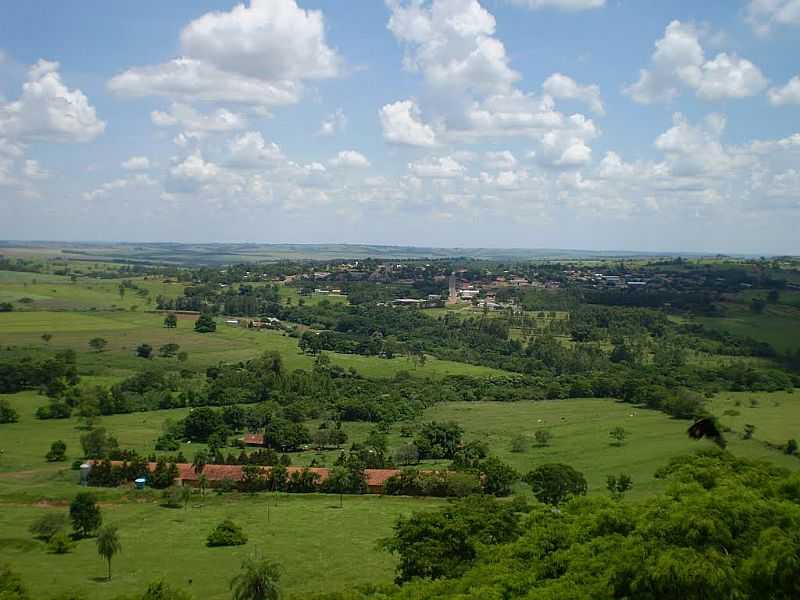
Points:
(125, 330)
(320, 546)
(776, 416)
(779, 325)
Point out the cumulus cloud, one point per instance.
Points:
(333, 124)
(350, 158)
(250, 150)
(49, 111)
(258, 53)
(763, 15)
(787, 94)
(33, 170)
(561, 86)
(402, 124)
(679, 62)
(437, 167)
(567, 5)
(190, 119)
(452, 43)
(136, 163)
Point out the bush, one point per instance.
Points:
(519, 444)
(555, 483)
(205, 324)
(57, 452)
(46, 526)
(791, 447)
(226, 533)
(543, 437)
(7, 412)
(60, 543)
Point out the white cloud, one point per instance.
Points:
(679, 61)
(452, 44)
(350, 158)
(250, 150)
(402, 124)
(561, 86)
(695, 149)
(765, 14)
(33, 170)
(500, 161)
(568, 5)
(437, 167)
(190, 119)
(48, 111)
(333, 124)
(787, 94)
(140, 180)
(136, 163)
(472, 86)
(256, 54)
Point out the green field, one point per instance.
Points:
(321, 546)
(776, 416)
(125, 330)
(779, 325)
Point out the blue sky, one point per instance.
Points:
(596, 124)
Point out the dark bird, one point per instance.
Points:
(707, 427)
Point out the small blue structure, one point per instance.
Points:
(139, 483)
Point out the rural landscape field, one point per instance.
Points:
(529, 365)
(400, 300)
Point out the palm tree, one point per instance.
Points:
(108, 544)
(259, 579)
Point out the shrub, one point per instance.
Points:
(46, 526)
(205, 324)
(543, 437)
(519, 444)
(7, 412)
(60, 543)
(791, 447)
(57, 452)
(555, 483)
(226, 533)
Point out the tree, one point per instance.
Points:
(85, 514)
(98, 344)
(144, 351)
(205, 324)
(748, 432)
(108, 544)
(497, 477)
(407, 454)
(791, 447)
(183, 356)
(7, 412)
(259, 579)
(168, 350)
(617, 485)
(618, 435)
(98, 444)
(543, 437)
(439, 440)
(170, 321)
(11, 587)
(200, 461)
(160, 590)
(555, 483)
(773, 296)
(47, 337)
(57, 452)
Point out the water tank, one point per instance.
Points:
(139, 483)
(85, 469)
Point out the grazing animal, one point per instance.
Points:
(707, 427)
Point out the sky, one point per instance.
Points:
(583, 124)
